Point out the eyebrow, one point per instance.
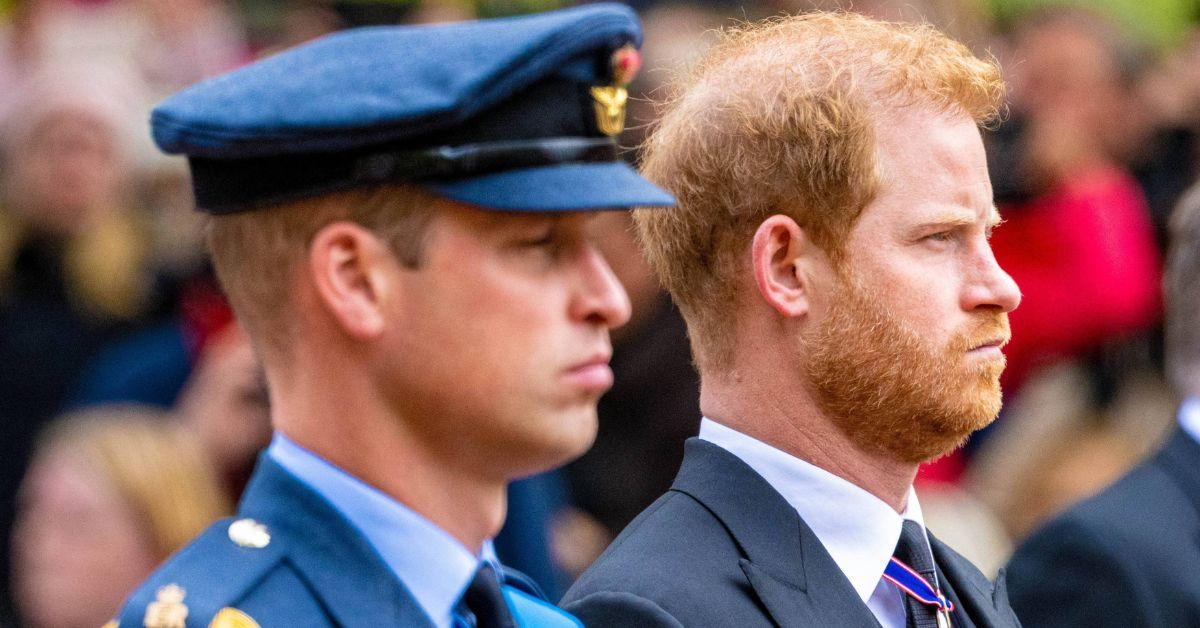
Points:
(960, 219)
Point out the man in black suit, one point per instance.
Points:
(830, 255)
(1130, 555)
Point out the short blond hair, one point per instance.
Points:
(255, 252)
(778, 117)
(157, 468)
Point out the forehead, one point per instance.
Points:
(930, 164)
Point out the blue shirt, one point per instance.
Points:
(433, 565)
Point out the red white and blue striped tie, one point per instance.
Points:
(912, 570)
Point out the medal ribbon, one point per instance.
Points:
(915, 586)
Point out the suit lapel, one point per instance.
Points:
(790, 571)
(342, 568)
(983, 604)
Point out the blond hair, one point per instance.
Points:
(255, 252)
(159, 470)
(779, 118)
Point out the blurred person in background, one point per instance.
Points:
(169, 43)
(645, 418)
(1128, 557)
(830, 257)
(653, 405)
(73, 272)
(112, 491)
(224, 405)
(1078, 236)
(1079, 239)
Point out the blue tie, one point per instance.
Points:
(483, 605)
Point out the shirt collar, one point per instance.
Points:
(1189, 417)
(433, 565)
(859, 530)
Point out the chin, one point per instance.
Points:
(565, 437)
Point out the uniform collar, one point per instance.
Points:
(859, 530)
(433, 565)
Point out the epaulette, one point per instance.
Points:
(199, 586)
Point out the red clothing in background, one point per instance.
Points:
(1085, 258)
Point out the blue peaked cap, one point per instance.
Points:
(496, 113)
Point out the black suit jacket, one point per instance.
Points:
(723, 548)
(1128, 557)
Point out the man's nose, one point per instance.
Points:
(600, 298)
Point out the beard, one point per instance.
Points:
(891, 391)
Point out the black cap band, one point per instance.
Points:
(225, 186)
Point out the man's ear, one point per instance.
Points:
(348, 266)
(779, 254)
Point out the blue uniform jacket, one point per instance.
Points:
(290, 559)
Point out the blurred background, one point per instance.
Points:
(132, 408)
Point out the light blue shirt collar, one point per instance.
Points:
(1189, 417)
(433, 565)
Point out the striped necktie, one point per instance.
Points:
(923, 600)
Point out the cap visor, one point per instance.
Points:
(563, 187)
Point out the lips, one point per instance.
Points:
(994, 343)
(592, 374)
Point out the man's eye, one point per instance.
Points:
(941, 236)
(543, 240)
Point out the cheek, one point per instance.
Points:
(921, 298)
(496, 337)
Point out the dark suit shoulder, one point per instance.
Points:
(615, 608)
(230, 570)
(1111, 559)
(1066, 574)
(1141, 505)
(675, 562)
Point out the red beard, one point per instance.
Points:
(892, 393)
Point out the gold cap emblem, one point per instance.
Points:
(167, 610)
(230, 617)
(249, 533)
(611, 99)
(610, 108)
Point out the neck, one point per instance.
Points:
(785, 416)
(343, 420)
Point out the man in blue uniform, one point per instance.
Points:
(400, 220)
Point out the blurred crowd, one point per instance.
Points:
(132, 407)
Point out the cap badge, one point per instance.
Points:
(611, 99)
(249, 533)
(167, 610)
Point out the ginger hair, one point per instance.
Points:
(779, 117)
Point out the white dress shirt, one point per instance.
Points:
(433, 565)
(858, 530)
(1189, 417)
